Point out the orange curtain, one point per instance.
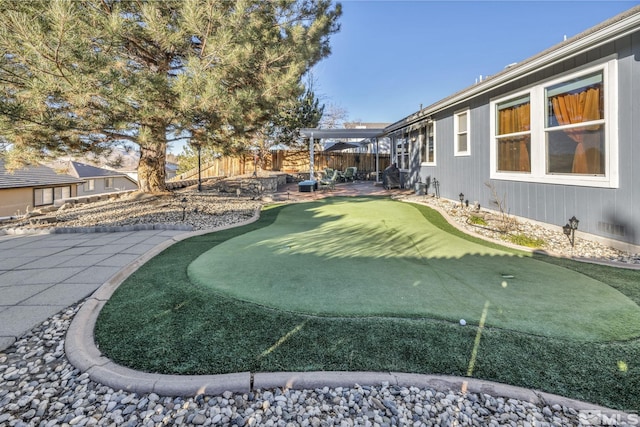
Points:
(577, 108)
(512, 120)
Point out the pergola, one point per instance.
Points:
(315, 133)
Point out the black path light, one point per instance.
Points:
(570, 228)
(461, 200)
(183, 203)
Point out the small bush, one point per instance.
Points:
(524, 240)
(477, 220)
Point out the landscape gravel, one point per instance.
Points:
(554, 240)
(39, 387)
(202, 210)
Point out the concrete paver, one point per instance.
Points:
(15, 294)
(42, 274)
(17, 319)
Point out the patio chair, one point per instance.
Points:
(350, 173)
(329, 181)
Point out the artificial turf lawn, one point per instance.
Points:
(160, 321)
(373, 257)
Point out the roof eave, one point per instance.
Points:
(584, 41)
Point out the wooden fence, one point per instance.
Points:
(292, 162)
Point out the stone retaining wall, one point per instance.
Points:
(85, 199)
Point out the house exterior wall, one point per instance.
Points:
(17, 201)
(611, 213)
(120, 183)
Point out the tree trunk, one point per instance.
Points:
(153, 159)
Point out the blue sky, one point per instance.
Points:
(391, 56)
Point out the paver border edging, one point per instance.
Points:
(82, 352)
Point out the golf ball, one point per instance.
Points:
(463, 322)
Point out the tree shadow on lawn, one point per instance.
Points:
(340, 259)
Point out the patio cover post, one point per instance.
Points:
(311, 157)
(377, 161)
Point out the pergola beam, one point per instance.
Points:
(341, 133)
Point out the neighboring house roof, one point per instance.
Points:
(367, 125)
(33, 176)
(341, 145)
(81, 170)
(619, 26)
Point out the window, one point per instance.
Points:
(513, 136)
(560, 132)
(108, 182)
(461, 131)
(428, 149)
(89, 185)
(46, 196)
(575, 126)
(61, 193)
(43, 196)
(402, 152)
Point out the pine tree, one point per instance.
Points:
(82, 76)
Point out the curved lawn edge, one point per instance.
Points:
(95, 359)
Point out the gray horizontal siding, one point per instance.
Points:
(610, 213)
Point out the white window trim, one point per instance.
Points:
(538, 138)
(456, 150)
(423, 144)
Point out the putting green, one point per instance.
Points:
(379, 257)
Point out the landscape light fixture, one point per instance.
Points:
(183, 203)
(461, 200)
(570, 228)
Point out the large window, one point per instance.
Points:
(461, 131)
(108, 183)
(575, 126)
(560, 132)
(46, 196)
(428, 149)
